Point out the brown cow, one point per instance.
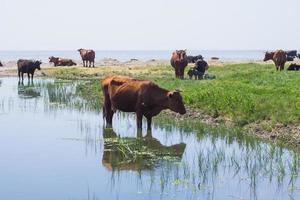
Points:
(61, 61)
(144, 98)
(29, 67)
(87, 56)
(278, 57)
(179, 61)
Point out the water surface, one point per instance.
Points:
(53, 145)
(225, 55)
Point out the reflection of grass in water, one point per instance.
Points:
(67, 94)
(29, 91)
(138, 150)
(244, 158)
(251, 161)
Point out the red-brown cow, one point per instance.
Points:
(61, 61)
(87, 55)
(179, 61)
(279, 58)
(143, 97)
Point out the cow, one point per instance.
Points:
(1, 64)
(87, 55)
(198, 70)
(193, 59)
(143, 97)
(294, 67)
(278, 57)
(179, 62)
(27, 66)
(61, 61)
(298, 55)
(292, 53)
(289, 58)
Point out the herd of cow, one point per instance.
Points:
(179, 61)
(143, 97)
(29, 66)
(280, 57)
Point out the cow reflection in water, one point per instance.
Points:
(139, 153)
(28, 91)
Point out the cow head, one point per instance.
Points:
(53, 59)
(37, 64)
(268, 56)
(175, 102)
(181, 54)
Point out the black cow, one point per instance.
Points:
(294, 67)
(289, 58)
(299, 55)
(292, 53)
(193, 59)
(28, 66)
(198, 70)
(1, 64)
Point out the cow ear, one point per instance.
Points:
(170, 94)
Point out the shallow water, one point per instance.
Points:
(53, 146)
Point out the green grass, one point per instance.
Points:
(243, 93)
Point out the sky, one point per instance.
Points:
(149, 25)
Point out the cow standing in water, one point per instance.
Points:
(29, 67)
(179, 61)
(142, 97)
(87, 55)
(279, 58)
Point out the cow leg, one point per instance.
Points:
(19, 74)
(93, 63)
(139, 120)
(83, 63)
(176, 73)
(22, 74)
(28, 75)
(149, 122)
(108, 113)
(90, 63)
(149, 134)
(182, 73)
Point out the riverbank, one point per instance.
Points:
(249, 96)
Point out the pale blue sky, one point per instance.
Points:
(149, 25)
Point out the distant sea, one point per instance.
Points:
(227, 55)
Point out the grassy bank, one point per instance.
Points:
(251, 96)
